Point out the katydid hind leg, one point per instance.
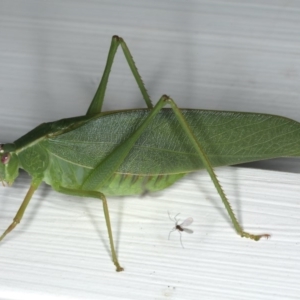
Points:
(165, 100)
(97, 102)
(97, 195)
(18, 217)
(208, 166)
(104, 170)
(136, 74)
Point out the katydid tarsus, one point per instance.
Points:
(132, 151)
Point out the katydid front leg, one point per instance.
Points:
(100, 196)
(17, 219)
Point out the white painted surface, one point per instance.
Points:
(238, 55)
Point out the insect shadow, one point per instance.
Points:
(181, 227)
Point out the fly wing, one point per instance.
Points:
(187, 230)
(186, 222)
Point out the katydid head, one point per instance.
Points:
(9, 165)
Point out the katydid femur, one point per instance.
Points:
(132, 151)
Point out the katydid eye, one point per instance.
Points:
(5, 158)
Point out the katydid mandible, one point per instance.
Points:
(132, 151)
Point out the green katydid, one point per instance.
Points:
(132, 151)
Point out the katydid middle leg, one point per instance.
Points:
(97, 195)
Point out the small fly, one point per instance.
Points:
(181, 227)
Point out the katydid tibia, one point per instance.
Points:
(133, 151)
